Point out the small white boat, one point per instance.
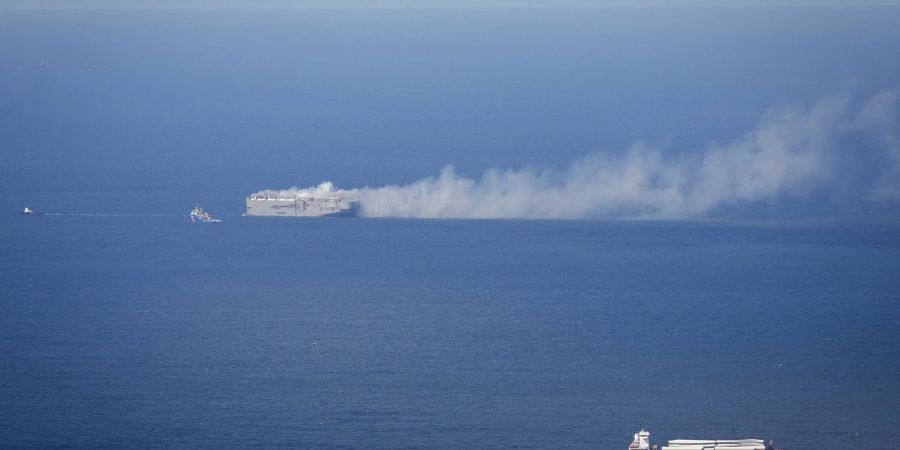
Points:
(27, 211)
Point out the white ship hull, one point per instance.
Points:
(301, 206)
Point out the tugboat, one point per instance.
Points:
(198, 215)
(27, 212)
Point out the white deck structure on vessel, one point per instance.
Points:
(715, 444)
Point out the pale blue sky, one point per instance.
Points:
(291, 4)
(233, 102)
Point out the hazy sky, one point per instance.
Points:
(278, 4)
(652, 111)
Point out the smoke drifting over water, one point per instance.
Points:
(794, 151)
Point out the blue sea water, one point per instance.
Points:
(122, 325)
(147, 331)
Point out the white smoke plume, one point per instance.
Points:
(324, 189)
(793, 151)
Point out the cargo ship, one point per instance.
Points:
(642, 442)
(301, 205)
(718, 444)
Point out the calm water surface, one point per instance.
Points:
(147, 331)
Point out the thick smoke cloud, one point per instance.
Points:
(794, 151)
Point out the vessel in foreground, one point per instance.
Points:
(642, 442)
(27, 212)
(716, 444)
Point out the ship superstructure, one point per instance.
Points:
(301, 205)
(641, 440)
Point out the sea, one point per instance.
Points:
(123, 325)
(147, 331)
